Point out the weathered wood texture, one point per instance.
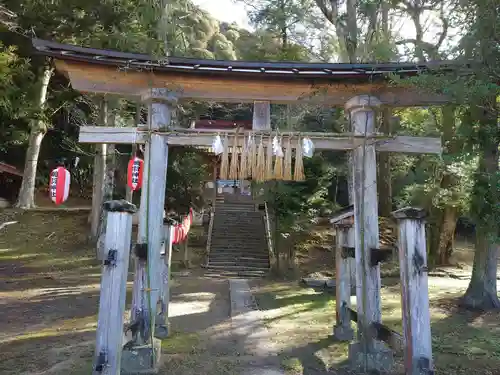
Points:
(414, 292)
(145, 297)
(109, 79)
(113, 289)
(156, 201)
(401, 144)
(166, 261)
(342, 329)
(99, 177)
(159, 116)
(261, 118)
(362, 114)
(98, 181)
(138, 295)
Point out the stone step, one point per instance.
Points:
(257, 247)
(236, 228)
(230, 206)
(223, 217)
(238, 219)
(238, 249)
(234, 274)
(228, 233)
(236, 210)
(228, 265)
(251, 258)
(239, 245)
(233, 228)
(237, 268)
(238, 224)
(221, 239)
(257, 230)
(230, 212)
(243, 258)
(238, 253)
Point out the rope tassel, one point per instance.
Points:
(224, 165)
(243, 172)
(269, 159)
(233, 169)
(260, 165)
(298, 173)
(252, 158)
(287, 171)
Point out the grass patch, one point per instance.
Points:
(292, 365)
(302, 319)
(300, 323)
(180, 342)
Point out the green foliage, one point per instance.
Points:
(295, 204)
(187, 172)
(14, 85)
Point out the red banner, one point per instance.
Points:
(181, 230)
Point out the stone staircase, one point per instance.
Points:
(238, 242)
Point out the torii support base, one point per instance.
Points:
(144, 359)
(162, 329)
(379, 358)
(342, 330)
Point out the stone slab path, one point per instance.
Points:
(250, 332)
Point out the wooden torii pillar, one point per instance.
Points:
(144, 350)
(367, 353)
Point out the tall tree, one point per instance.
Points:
(90, 22)
(285, 20)
(345, 24)
(481, 44)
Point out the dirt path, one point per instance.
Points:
(49, 292)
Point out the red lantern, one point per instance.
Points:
(134, 173)
(59, 185)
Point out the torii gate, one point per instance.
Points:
(360, 88)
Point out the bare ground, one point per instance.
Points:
(49, 294)
(49, 290)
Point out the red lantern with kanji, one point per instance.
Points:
(134, 173)
(59, 185)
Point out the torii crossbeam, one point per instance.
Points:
(322, 141)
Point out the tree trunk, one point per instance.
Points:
(445, 218)
(447, 236)
(26, 198)
(384, 181)
(482, 291)
(108, 183)
(351, 22)
(98, 181)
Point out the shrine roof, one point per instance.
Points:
(192, 66)
(10, 169)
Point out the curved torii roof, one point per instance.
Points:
(127, 74)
